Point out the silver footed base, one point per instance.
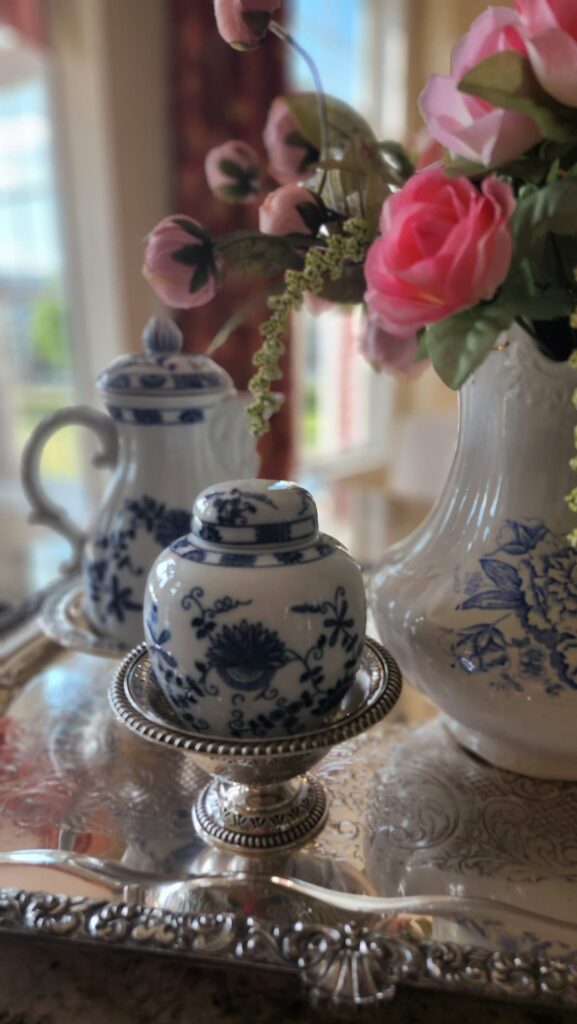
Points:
(261, 818)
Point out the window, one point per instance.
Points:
(343, 408)
(35, 348)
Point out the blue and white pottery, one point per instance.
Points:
(479, 605)
(255, 621)
(176, 425)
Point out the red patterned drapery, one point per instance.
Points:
(219, 94)
(27, 17)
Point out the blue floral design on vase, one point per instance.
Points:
(528, 585)
(116, 562)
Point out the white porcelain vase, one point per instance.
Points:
(479, 604)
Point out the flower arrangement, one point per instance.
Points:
(445, 255)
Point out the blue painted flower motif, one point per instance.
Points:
(157, 639)
(532, 662)
(246, 655)
(115, 578)
(473, 583)
(480, 648)
(169, 524)
(530, 583)
(518, 538)
(120, 600)
(561, 581)
(236, 507)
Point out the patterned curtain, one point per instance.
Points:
(27, 17)
(220, 94)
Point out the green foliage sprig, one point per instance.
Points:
(320, 265)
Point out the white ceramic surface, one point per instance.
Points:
(479, 604)
(255, 621)
(175, 426)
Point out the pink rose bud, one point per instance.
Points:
(179, 263)
(425, 150)
(444, 246)
(469, 126)
(291, 210)
(384, 351)
(233, 172)
(550, 32)
(243, 23)
(291, 157)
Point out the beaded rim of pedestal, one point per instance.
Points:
(260, 797)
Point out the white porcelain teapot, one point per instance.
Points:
(176, 425)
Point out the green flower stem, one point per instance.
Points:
(320, 264)
(281, 33)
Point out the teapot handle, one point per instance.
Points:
(44, 510)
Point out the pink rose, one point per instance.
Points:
(469, 126)
(291, 157)
(384, 351)
(179, 263)
(425, 150)
(444, 246)
(550, 32)
(233, 172)
(290, 210)
(243, 23)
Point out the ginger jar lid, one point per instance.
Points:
(243, 513)
(163, 370)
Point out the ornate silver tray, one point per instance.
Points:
(433, 869)
(63, 620)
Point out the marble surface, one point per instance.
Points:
(46, 983)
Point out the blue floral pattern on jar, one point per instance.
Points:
(526, 590)
(245, 656)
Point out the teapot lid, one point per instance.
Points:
(255, 512)
(162, 369)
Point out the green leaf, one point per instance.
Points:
(396, 156)
(192, 229)
(540, 303)
(257, 22)
(234, 193)
(199, 278)
(255, 254)
(312, 215)
(549, 209)
(507, 80)
(460, 167)
(193, 255)
(459, 344)
(343, 121)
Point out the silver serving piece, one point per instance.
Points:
(64, 620)
(433, 869)
(260, 797)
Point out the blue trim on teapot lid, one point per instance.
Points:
(255, 512)
(163, 370)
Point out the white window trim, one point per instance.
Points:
(110, 81)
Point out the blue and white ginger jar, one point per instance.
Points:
(255, 621)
